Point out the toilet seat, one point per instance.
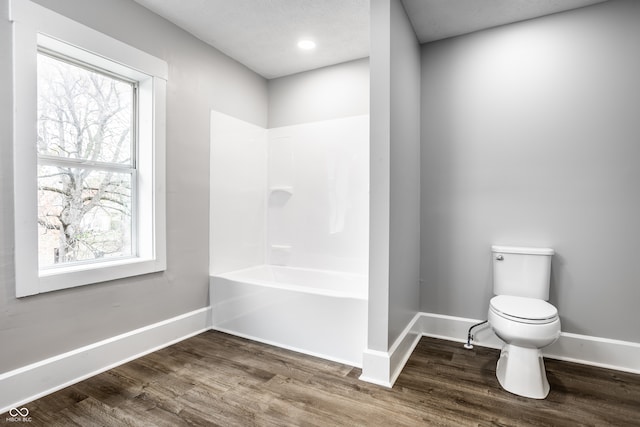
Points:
(523, 310)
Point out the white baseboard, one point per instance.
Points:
(376, 367)
(584, 349)
(383, 368)
(595, 351)
(456, 329)
(36, 380)
(25, 384)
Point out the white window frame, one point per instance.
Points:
(35, 26)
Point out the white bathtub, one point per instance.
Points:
(317, 312)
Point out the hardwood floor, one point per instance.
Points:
(218, 379)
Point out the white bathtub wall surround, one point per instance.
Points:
(238, 193)
(318, 200)
(316, 312)
(289, 234)
(295, 195)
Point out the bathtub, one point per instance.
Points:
(317, 312)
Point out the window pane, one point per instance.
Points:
(83, 114)
(83, 215)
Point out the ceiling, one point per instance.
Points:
(263, 34)
(439, 19)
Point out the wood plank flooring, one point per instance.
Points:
(217, 379)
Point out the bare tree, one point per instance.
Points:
(85, 172)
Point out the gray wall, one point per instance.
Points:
(531, 136)
(404, 238)
(394, 246)
(379, 175)
(332, 92)
(200, 79)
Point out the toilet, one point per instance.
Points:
(520, 315)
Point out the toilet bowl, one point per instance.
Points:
(520, 369)
(521, 317)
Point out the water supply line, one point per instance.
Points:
(468, 345)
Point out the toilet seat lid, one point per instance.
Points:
(521, 309)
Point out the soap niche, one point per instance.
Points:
(280, 195)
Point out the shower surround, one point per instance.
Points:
(289, 230)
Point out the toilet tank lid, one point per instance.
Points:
(521, 250)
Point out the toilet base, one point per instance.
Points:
(521, 371)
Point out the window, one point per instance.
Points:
(88, 154)
(86, 163)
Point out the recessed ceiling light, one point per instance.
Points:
(306, 44)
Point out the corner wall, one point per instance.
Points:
(404, 235)
(394, 260)
(531, 137)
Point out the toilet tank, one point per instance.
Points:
(522, 272)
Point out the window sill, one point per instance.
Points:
(86, 274)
